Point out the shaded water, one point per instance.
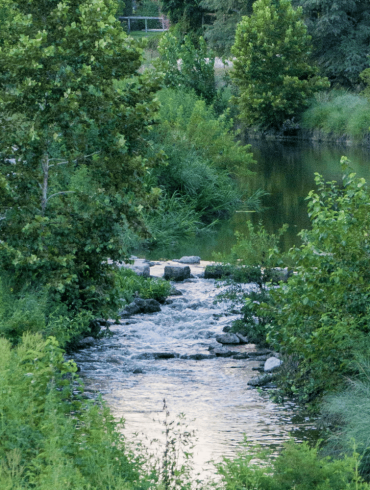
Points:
(286, 172)
(212, 392)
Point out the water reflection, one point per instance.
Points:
(286, 171)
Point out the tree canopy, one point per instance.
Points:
(272, 67)
(340, 32)
(74, 115)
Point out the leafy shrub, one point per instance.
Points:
(272, 67)
(321, 316)
(35, 310)
(297, 467)
(130, 285)
(50, 436)
(187, 66)
(340, 113)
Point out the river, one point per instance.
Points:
(212, 392)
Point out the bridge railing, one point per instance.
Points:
(134, 17)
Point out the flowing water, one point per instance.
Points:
(130, 369)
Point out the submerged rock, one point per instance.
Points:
(141, 306)
(241, 355)
(86, 342)
(260, 352)
(272, 364)
(192, 259)
(138, 371)
(164, 355)
(260, 380)
(228, 338)
(243, 340)
(222, 352)
(200, 357)
(176, 273)
(175, 292)
(226, 329)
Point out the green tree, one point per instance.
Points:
(188, 13)
(74, 115)
(220, 33)
(340, 32)
(272, 67)
(196, 69)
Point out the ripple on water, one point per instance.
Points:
(212, 392)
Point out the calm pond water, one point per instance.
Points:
(286, 172)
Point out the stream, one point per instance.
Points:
(132, 373)
(158, 356)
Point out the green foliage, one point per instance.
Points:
(321, 316)
(297, 467)
(50, 436)
(339, 113)
(131, 285)
(254, 258)
(74, 117)
(186, 66)
(27, 309)
(347, 412)
(194, 188)
(341, 34)
(257, 247)
(220, 33)
(188, 13)
(272, 67)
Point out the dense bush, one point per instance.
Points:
(297, 467)
(73, 122)
(272, 68)
(321, 316)
(186, 66)
(50, 435)
(340, 113)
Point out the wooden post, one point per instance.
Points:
(146, 25)
(162, 24)
(129, 25)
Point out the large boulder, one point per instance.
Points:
(228, 338)
(176, 273)
(142, 306)
(242, 339)
(192, 259)
(272, 364)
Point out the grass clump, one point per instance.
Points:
(340, 113)
(195, 186)
(348, 414)
(297, 467)
(51, 437)
(131, 285)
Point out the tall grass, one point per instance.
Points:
(202, 158)
(348, 413)
(50, 436)
(340, 113)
